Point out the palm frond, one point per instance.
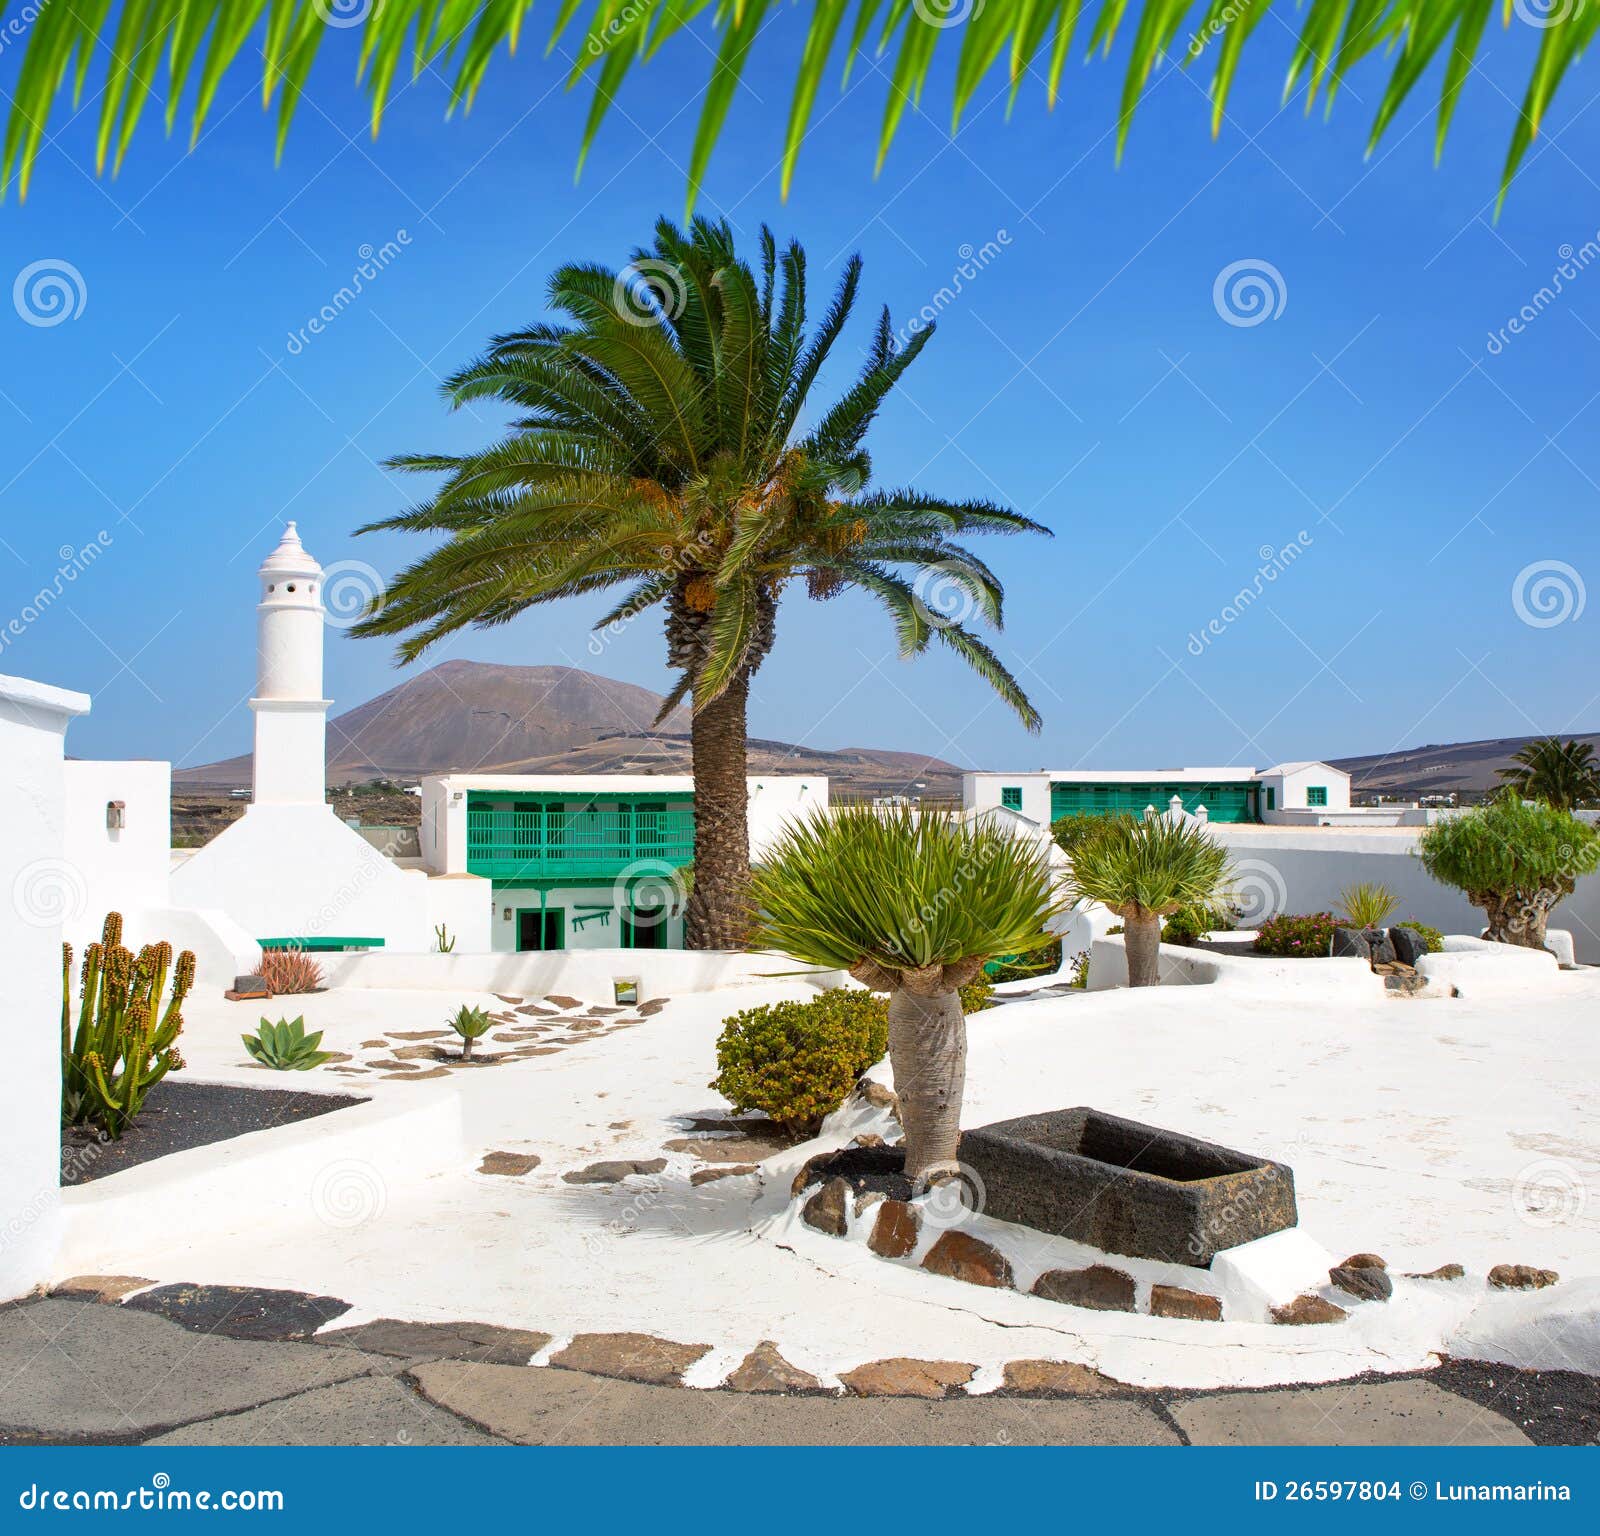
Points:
(194, 43)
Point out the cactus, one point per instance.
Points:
(286, 1047)
(442, 940)
(124, 1040)
(290, 970)
(469, 1023)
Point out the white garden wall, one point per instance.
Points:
(1303, 870)
(118, 826)
(37, 885)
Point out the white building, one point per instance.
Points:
(289, 870)
(591, 861)
(1292, 792)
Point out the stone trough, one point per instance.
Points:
(1128, 1188)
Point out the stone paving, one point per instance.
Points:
(81, 1367)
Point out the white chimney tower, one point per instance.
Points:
(291, 713)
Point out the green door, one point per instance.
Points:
(541, 928)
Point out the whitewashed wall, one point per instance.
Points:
(1307, 868)
(37, 885)
(127, 867)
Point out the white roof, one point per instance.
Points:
(1152, 775)
(1284, 768)
(599, 783)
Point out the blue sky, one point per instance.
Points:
(1429, 482)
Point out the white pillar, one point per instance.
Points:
(38, 889)
(291, 713)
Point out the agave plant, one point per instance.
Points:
(287, 971)
(1145, 871)
(1367, 904)
(125, 1037)
(912, 905)
(471, 1024)
(286, 1047)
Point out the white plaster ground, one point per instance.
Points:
(1416, 1128)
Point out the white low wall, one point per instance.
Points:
(1180, 966)
(1304, 870)
(125, 866)
(589, 974)
(343, 1168)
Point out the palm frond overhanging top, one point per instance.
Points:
(192, 43)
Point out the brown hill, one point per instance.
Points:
(480, 717)
(1465, 768)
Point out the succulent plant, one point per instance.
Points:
(442, 940)
(285, 1046)
(124, 1039)
(470, 1023)
(290, 970)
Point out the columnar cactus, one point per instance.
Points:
(124, 1042)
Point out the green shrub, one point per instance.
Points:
(285, 1046)
(1188, 925)
(125, 1038)
(975, 997)
(1080, 972)
(1294, 937)
(1432, 937)
(795, 1062)
(1514, 860)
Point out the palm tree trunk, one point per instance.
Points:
(928, 1051)
(1141, 937)
(719, 909)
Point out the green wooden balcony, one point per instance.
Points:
(551, 842)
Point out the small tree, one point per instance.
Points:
(912, 905)
(1144, 871)
(1515, 860)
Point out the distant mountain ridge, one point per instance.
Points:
(1461, 767)
(484, 717)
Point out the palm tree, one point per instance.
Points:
(657, 447)
(912, 905)
(1337, 40)
(1563, 774)
(1144, 871)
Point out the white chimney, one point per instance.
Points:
(291, 713)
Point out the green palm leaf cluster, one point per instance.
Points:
(193, 42)
(900, 891)
(1149, 867)
(1563, 774)
(657, 447)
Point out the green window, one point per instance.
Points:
(1011, 797)
(541, 929)
(1317, 794)
(1272, 799)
